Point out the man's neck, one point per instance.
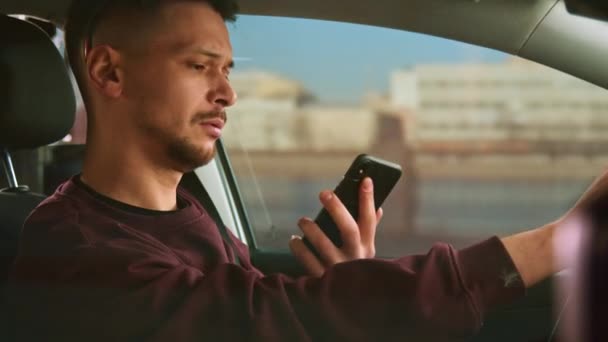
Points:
(130, 178)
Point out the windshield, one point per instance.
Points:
(489, 143)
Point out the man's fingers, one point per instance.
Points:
(367, 211)
(379, 214)
(596, 189)
(329, 253)
(349, 230)
(306, 257)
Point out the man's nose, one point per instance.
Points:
(222, 93)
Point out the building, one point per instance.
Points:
(512, 107)
(277, 114)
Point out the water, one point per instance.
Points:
(454, 211)
(494, 207)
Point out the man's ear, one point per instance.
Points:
(104, 72)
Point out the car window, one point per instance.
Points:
(490, 144)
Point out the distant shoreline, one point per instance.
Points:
(331, 164)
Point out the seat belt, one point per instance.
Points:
(196, 188)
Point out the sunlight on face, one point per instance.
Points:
(177, 89)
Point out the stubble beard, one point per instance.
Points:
(187, 155)
(183, 154)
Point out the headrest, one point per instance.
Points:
(37, 101)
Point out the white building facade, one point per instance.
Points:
(503, 102)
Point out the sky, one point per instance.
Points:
(341, 62)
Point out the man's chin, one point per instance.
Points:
(190, 157)
(203, 159)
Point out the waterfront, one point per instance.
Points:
(449, 204)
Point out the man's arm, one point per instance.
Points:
(532, 251)
(70, 288)
(130, 288)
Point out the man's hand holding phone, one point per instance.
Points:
(358, 236)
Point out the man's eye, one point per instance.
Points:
(198, 67)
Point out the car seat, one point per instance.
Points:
(37, 107)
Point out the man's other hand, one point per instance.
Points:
(597, 189)
(358, 236)
(532, 251)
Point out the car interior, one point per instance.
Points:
(38, 107)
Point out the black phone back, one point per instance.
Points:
(384, 175)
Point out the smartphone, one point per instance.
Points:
(384, 175)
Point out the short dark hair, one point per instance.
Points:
(84, 17)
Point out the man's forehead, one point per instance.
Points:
(190, 36)
(215, 51)
(175, 28)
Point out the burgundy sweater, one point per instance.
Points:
(93, 270)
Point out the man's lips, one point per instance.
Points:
(213, 127)
(217, 122)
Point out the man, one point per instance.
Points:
(121, 253)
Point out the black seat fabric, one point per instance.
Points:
(14, 209)
(37, 107)
(37, 103)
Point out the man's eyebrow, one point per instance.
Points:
(213, 55)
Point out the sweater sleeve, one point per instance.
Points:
(126, 289)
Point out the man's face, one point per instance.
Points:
(176, 85)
